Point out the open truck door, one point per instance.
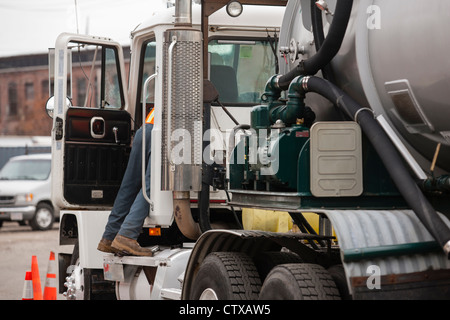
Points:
(91, 122)
(91, 143)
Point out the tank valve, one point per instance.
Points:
(293, 50)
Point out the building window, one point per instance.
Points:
(45, 89)
(29, 90)
(12, 99)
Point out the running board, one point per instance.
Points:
(162, 274)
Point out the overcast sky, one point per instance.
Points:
(32, 26)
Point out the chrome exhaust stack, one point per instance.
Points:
(183, 13)
(182, 114)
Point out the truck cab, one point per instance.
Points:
(100, 100)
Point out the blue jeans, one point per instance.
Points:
(130, 207)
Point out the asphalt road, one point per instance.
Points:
(17, 246)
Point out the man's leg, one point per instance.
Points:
(132, 225)
(129, 188)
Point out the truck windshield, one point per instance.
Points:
(26, 170)
(240, 69)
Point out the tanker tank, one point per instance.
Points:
(393, 60)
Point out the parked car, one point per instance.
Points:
(25, 191)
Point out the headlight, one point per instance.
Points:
(234, 8)
(27, 197)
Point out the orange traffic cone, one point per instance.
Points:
(27, 293)
(50, 282)
(37, 291)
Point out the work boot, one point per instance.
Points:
(129, 246)
(105, 246)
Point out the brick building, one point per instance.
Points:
(23, 94)
(24, 90)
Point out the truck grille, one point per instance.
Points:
(6, 199)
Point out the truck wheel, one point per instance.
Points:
(299, 281)
(75, 280)
(337, 272)
(87, 284)
(226, 276)
(43, 217)
(266, 261)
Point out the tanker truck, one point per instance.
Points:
(349, 137)
(96, 111)
(354, 128)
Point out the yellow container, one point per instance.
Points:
(266, 220)
(274, 221)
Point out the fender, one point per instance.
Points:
(86, 228)
(393, 240)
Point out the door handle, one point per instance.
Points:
(116, 135)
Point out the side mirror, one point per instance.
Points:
(50, 105)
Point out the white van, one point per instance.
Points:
(25, 191)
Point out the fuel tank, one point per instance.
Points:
(393, 59)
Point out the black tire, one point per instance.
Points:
(301, 281)
(226, 276)
(266, 261)
(337, 272)
(43, 217)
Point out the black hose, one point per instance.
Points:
(329, 48)
(203, 208)
(203, 195)
(388, 154)
(319, 38)
(317, 25)
(238, 222)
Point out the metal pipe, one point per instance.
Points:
(183, 217)
(368, 253)
(144, 143)
(183, 13)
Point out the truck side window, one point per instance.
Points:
(95, 77)
(147, 68)
(112, 93)
(239, 69)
